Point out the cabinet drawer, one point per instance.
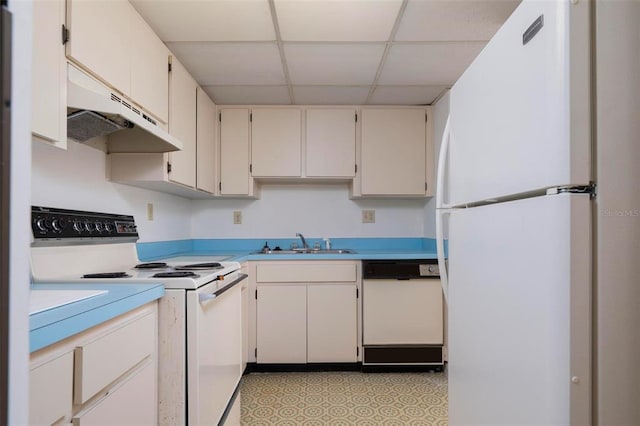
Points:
(50, 389)
(103, 360)
(132, 403)
(306, 273)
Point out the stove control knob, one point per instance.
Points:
(56, 224)
(432, 269)
(41, 224)
(99, 227)
(89, 226)
(108, 227)
(77, 226)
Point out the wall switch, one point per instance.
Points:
(149, 211)
(368, 216)
(237, 217)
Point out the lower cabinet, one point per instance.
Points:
(306, 312)
(106, 375)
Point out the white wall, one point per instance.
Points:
(76, 179)
(440, 114)
(314, 210)
(20, 217)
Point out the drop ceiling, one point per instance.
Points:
(325, 52)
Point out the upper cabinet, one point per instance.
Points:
(331, 142)
(111, 40)
(394, 152)
(235, 130)
(182, 125)
(276, 142)
(206, 160)
(49, 74)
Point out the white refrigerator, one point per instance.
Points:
(530, 318)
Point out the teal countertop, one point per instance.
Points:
(245, 249)
(53, 325)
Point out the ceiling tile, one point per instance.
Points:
(331, 20)
(219, 20)
(427, 64)
(405, 95)
(231, 63)
(453, 20)
(333, 64)
(249, 95)
(330, 95)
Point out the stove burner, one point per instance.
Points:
(151, 265)
(178, 274)
(210, 265)
(108, 275)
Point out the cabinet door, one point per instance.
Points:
(332, 334)
(275, 142)
(206, 142)
(100, 39)
(331, 142)
(49, 94)
(282, 324)
(50, 390)
(182, 124)
(149, 69)
(234, 152)
(393, 152)
(132, 403)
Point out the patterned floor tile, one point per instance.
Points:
(344, 398)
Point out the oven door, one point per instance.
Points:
(214, 349)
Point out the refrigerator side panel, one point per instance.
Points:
(618, 214)
(519, 313)
(520, 112)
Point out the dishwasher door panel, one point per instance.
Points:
(402, 312)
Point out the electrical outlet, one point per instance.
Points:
(237, 217)
(149, 211)
(368, 216)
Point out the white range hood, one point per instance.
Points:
(95, 110)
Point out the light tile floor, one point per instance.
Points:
(344, 398)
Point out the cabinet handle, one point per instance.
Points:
(210, 296)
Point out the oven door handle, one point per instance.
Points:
(210, 296)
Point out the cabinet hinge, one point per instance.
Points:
(220, 117)
(168, 167)
(357, 293)
(256, 294)
(356, 117)
(169, 67)
(426, 186)
(250, 168)
(426, 117)
(255, 351)
(357, 351)
(251, 117)
(356, 168)
(220, 188)
(65, 34)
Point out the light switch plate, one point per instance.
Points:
(237, 217)
(368, 216)
(149, 211)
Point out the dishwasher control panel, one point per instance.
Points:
(400, 269)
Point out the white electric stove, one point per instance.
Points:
(201, 307)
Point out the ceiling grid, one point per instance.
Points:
(325, 52)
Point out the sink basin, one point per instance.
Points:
(306, 251)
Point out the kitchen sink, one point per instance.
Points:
(306, 251)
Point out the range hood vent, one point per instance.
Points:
(95, 110)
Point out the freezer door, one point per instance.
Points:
(520, 112)
(519, 313)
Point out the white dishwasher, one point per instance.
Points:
(402, 313)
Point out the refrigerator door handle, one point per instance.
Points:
(442, 208)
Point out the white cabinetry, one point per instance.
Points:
(182, 125)
(275, 142)
(105, 375)
(235, 178)
(49, 74)
(206, 160)
(306, 312)
(394, 153)
(111, 40)
(330, 142)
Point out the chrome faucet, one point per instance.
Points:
(304, 242)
